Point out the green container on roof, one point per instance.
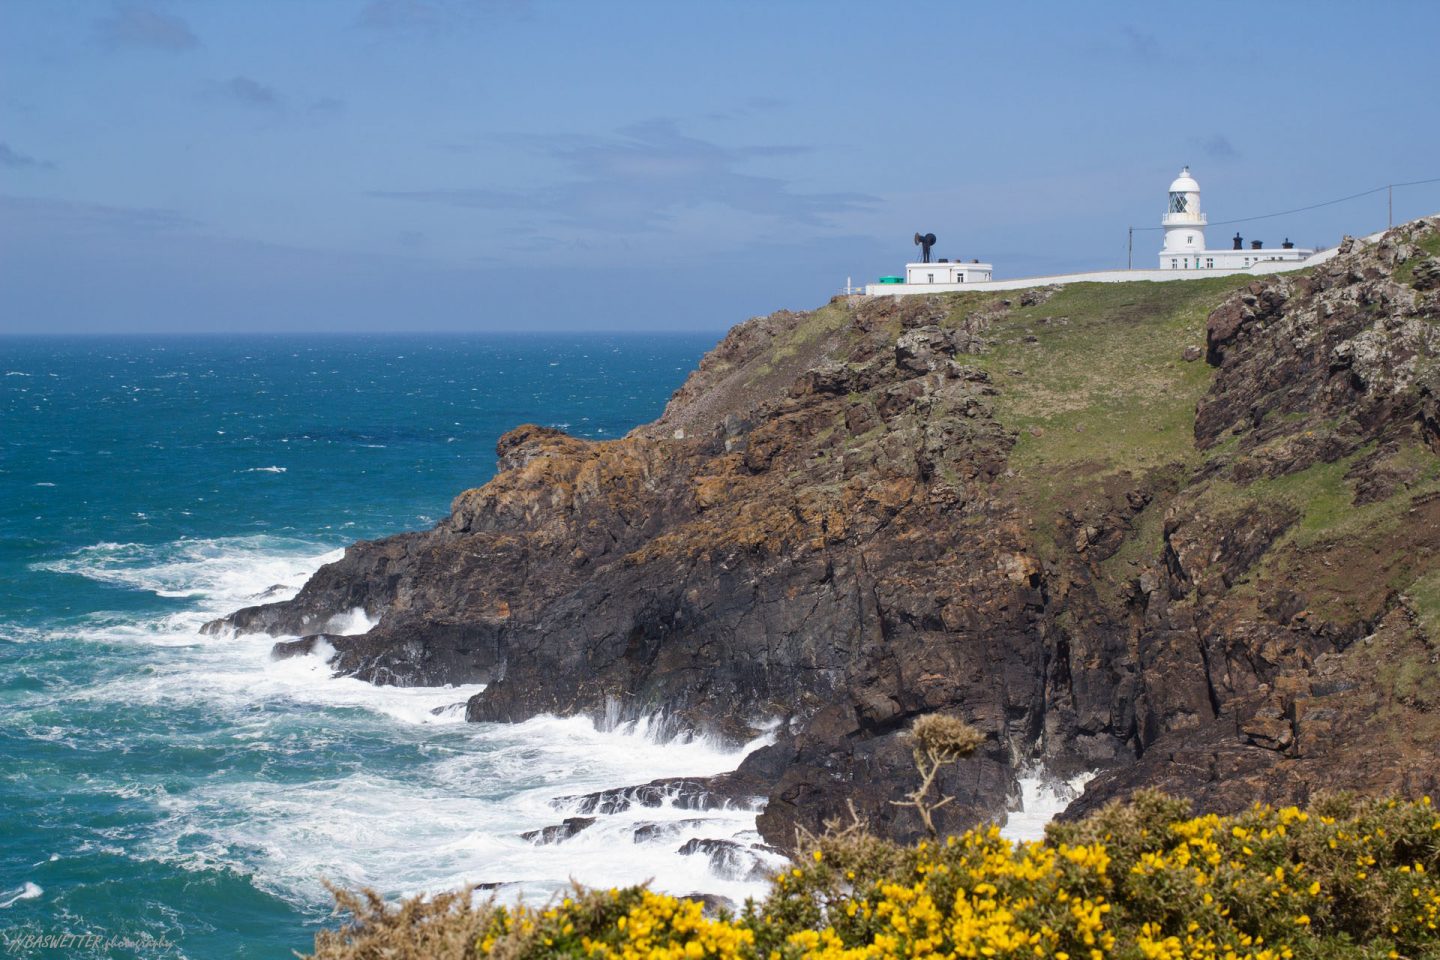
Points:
(892, 279)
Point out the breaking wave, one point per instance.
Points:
(317, 777)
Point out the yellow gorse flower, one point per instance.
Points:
(1267, 884)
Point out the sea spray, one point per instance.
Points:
(26, 891)
(1043, 797)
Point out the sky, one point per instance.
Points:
(498, 165)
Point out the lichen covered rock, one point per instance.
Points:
(1221, 578)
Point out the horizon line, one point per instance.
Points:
(211, 334)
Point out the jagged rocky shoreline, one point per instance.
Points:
(1036, 510)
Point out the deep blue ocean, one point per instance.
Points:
(186, 792)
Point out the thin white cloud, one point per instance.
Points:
(1216, 147)
(640, 178)
(142, 27)
(247, 91)
(96, 217)
(15, 160)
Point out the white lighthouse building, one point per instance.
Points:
(1183, 222)
(1184, 256)
(1185, 249)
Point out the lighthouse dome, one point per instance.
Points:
(1185, 183)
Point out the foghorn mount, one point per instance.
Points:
(924, 241)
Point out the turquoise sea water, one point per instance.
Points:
(158, 783)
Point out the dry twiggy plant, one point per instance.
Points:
(446, 926)
(940, 739)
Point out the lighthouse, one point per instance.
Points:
(1183, 256)
(1184, 222)
(1184, 249)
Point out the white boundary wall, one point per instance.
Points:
(1098, 276)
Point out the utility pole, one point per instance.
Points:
(1130, 251)
(1390, 204)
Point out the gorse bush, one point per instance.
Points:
(1144, 880)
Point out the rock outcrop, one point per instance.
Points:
(1218, 578)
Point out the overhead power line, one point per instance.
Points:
(1313, 206)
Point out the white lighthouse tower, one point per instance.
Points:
(1185, 249)
(1184, 223)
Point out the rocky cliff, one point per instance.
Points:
(1186, 533)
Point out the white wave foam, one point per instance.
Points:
(1043, 797)
(323, 650)
(26, 891)
(224, 573)
(265, 470)
(457, 819)
(44, 483)
(351, 623)
(236, 677)
(382, 786)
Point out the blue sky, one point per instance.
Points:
(288, 165)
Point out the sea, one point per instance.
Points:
(168, 793)
(165, 793)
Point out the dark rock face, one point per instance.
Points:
(828, 528)
(713, 905)
(1427, 274)
(305, 646)
(733, 860)
(652, 832)
(414, 645)
(559, 832)
(681, 793)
